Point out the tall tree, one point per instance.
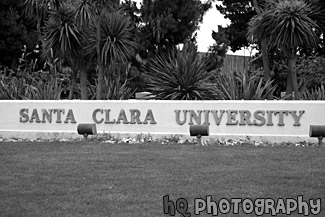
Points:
(87, 15)
(62, 35)
(167, 23)
(63, 38)
(263, 42)
(84, 15)
(217, 52)
(289, 26)
(111, 40)
(239, 12)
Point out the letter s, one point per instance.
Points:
(23, 115)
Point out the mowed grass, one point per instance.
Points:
(96, 179)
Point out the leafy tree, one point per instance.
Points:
(239, 12)
(167, 23)
(217, 52)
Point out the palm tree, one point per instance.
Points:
(288, 26)
(84, 13)
(63, 37)
(111, 39)
(102, 22)
(265, 55)
(41, 10)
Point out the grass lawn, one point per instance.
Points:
(96, 179)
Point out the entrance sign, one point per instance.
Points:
(236, 118)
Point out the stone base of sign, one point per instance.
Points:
(269, 121)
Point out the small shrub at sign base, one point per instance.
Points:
(167, 140)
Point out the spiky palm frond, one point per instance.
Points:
(319, 14)
(40, 8)
(180, 75)
(61, 34)
(288, 25)
(257, 26)
(117, 43)
(84, 12)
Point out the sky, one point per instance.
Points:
(211, 20)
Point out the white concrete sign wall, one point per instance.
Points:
(236, 118)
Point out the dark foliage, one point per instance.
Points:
(217, 52)
(239, 12)
(170, 22)
(15, 32)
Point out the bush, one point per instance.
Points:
(243, 85)
(27, 83)
(22, 88)
(311, 71)
(114, 89)
(317, 93)
(180, 75)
